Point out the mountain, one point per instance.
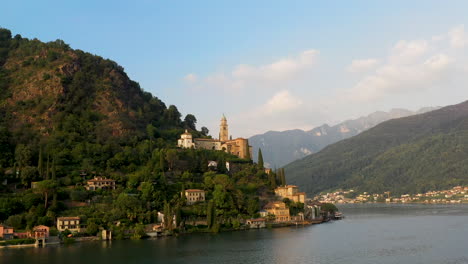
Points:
(79, 107)
(281, 148)
(405, 155)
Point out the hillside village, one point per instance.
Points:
(457, 194)
(232, 192)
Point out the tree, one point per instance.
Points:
(260, 158)
(150, 131)
(205, 131)
(282, 178)
(329, 207)
(210, 214)
(171, 157)
(221, 165)
(252, 206)
(28, 174)
(172, 115)
(272, 179)
(167, 216)
(40, 163)
(46, 187)
(23, 155)
(190, 121)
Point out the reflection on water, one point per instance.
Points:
(372, 233)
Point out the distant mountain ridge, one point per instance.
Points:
(412, 154)
(281, 148)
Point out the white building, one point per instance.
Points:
(186, 140)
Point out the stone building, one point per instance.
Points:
(279, 210)
(239, 146)
(291, 192)
(100, 183)
(194, 195)
(71, 223)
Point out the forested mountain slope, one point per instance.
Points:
(406, 155)
(281, 148)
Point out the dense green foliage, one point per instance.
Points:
(67, 116)
(407, 155)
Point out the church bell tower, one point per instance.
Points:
(223, 130)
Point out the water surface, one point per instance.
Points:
(371, 233)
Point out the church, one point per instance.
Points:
(239, 146)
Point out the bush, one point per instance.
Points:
(20, 241)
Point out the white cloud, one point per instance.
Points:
(293, 92)
(362, 65)
(191, 78)
(406, 52)
(262, 76)
(458, 37)
(411, 66)
(281, 102)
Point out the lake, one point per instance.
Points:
(370, 233)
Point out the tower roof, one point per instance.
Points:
(223, 118)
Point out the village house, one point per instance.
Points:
(194, 195)
(40, 231)
(71, 223)
(312, 210)
(100, 183)
(239, 146)
(279, 210)
(291, 192)
(256, 223)
(6, 232)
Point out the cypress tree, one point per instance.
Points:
(167, 216)
(161, 161)
(40, 164)
(283, 178)
(272, 178)
(48, 167)
(260, 158)
(210, 214)
(54, 177)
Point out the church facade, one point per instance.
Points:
(239, 146)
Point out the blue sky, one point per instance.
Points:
(269, 65)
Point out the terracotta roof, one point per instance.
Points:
(194, 190)
(256, 219)
(206, 139)
(100, 180)
(68, 218)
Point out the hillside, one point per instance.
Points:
(78, 107)
(79, 138)
(406, 155)
(281, 148)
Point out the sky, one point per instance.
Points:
(269, 65)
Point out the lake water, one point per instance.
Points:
(372, 233)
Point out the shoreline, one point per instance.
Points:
(96, 238)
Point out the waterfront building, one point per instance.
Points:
(71, 223)
(239, 146)
(40, 231)
(256, 223)
(100, 183)
(291, 192)
(194, 195)
(279, 210)
(6, 232)
(312, 210)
